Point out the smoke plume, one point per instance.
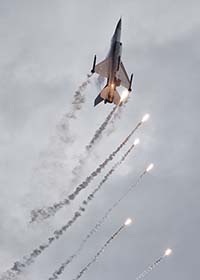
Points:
(98, 132)
(154, 264)
(61, 269)
(99, 253)
(46, 212)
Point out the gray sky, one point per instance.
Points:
(46, 50)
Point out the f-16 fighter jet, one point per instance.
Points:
(113, 69)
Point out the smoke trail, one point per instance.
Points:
(51, 161)
(153, 265)
(77, 102)
(112, 117)
(109, 211)
(117, 116)
(98, 225)
(79, 99)
(46, 212)
(99, 131)
(49, 212)
(19, 266)
(85, 269)
(59, 271)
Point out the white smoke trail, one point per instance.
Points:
(77, 102)
(97, 136)
(46, 212)
(99, 253)
(51, 163)
(109, 211)
(154, 264)
(99, 131)
(117, 116)
(61, 269)
(19, 266)
(111, 119)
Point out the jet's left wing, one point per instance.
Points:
(123, 76)
(102, 68)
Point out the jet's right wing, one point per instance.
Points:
(102, 68)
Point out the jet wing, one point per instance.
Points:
(102, 68)
(123, 76)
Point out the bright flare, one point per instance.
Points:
(137, 141)
(145, 118)
(151, 166)
(168, 252)
(124, 95)
(128, 222)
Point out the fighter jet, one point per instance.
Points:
(113, 69)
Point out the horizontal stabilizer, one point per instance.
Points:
(98, 100)
(104, 93)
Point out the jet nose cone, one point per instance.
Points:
(119, 23)
(117, 33)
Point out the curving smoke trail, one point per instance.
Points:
(52, 161)
(99, 253)
(111, 119)
(109, 211)
(19, 266)
(117, 116)
(77, 102)
(79, 98)
(154, 264)
(99, 131)
(46, 212)
(90, 197)
(97, 135)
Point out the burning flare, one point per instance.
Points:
(150, 167)
(168, 252)
(128, 222)
(137, 141)
(101, 250)
(145, 118)
(124, 96)
(154, 264)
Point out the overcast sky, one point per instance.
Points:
(46, 50)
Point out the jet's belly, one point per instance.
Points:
(116, 58)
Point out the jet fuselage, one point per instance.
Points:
(113, 70)
(114, 56)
